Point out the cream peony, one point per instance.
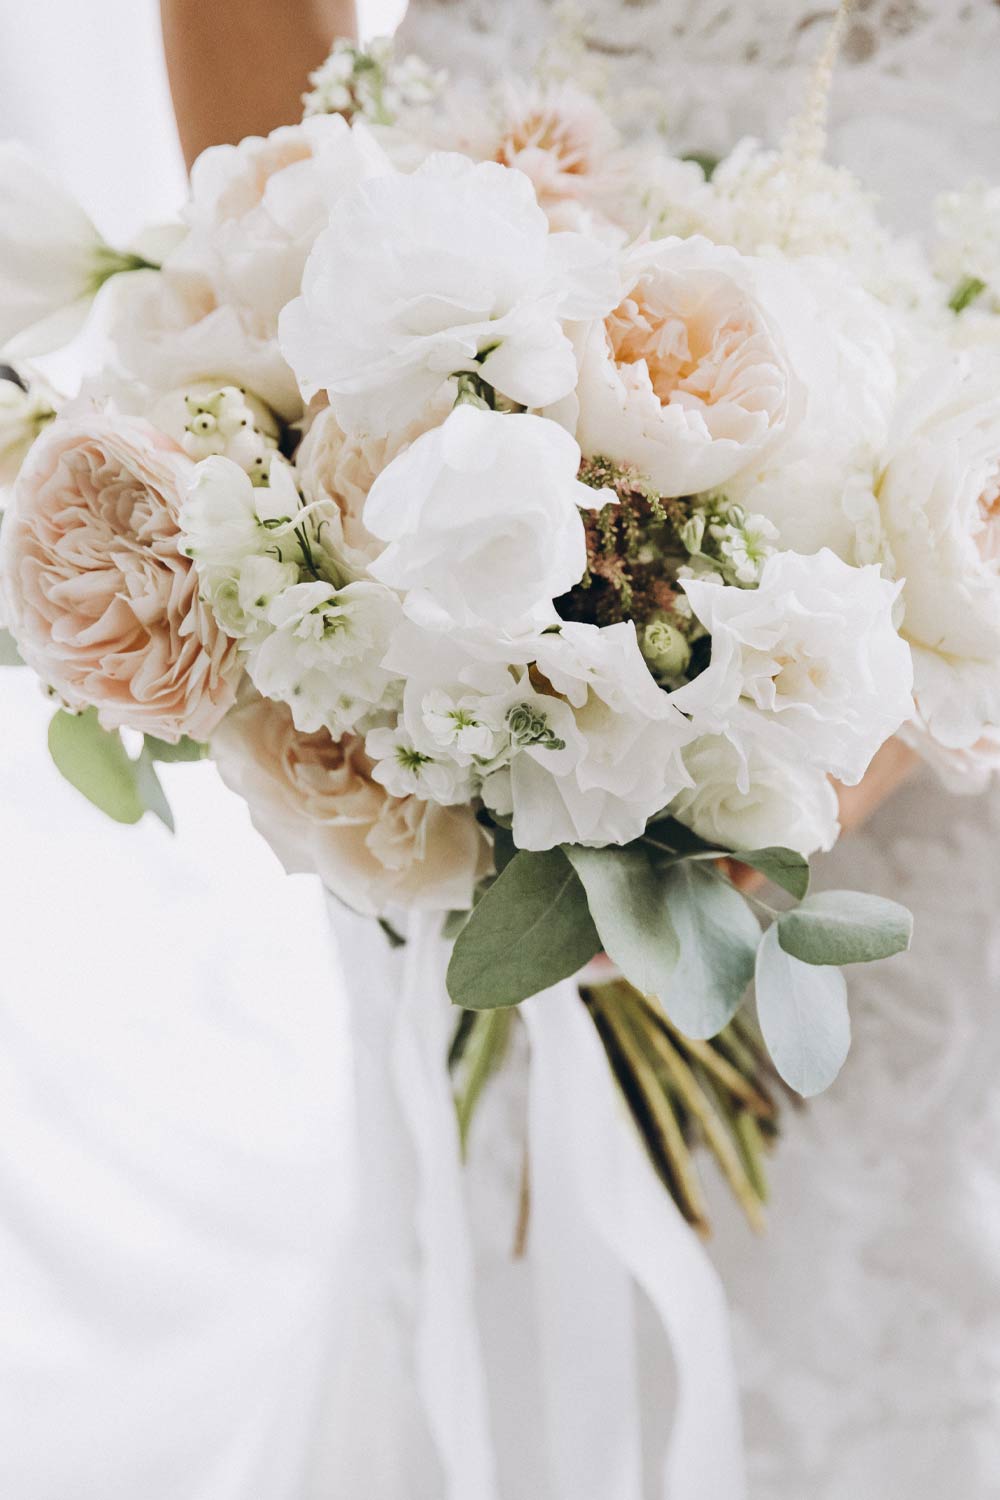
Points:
(815, 651)
(316, 802)
(940, 502)
(685, 379)
(750, 798)
(100, 595)
(482, 520)
(421, 277)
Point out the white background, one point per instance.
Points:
(171, 1068)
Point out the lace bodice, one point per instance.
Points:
(868, 1319)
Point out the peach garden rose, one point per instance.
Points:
(102, 602)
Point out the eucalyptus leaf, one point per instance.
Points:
(184, 750)
(531, 929)
(627, 894)
(718, 936)
(782, 867)
(845, 927)
(150, 790)
(97, 764)
(802, 1010)
(9, 654)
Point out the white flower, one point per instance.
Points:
(940, 501)
(241, 597)
(52, 259)
(685, 380)
(407, 771)
(593, 765)
(226, 518)
(336, 471)
(371, 82)
(24, 411)
(482, 520)
(450, 269)
(967, 254)
(322, 656)
(814, 649)
(751, 798)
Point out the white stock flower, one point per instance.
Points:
(815, 650)
(52, 259)
(449, 269)
(24, 412)
(940, 501)
(482, 522)
(323, 652)
(593, 765)
(685, 379)
(405, 770)
(748, 797)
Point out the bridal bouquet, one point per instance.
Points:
(532, 529)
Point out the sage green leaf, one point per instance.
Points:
(627, 896)
(531, 929)
(845, 927)
(802, 1010)
(9, 654)
(718, 936)
(483, 1050)
(184, 750)
(781, 866)
(150, 790)
(97, 764)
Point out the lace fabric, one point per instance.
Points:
(868, 1318)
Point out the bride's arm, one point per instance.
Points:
(239, 67)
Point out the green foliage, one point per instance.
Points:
(718, 937)
(783, 867)
(95, 761)
(845, 927)
(627, 895)
(9, 654)
(803, 1015)
(531, 929)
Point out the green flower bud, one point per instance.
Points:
(666, 650)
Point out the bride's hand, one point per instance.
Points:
(893, 765)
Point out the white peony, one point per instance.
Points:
(594, 764)
(482, 521)
(52, 259)
(323, 652)
(940, 501)
(815, 651)
(450, 269)
(751, 798)
(686, 379)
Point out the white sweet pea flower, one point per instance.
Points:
(815, 651)
(24, 412)
(446, 270)
(939, 496)
(322, 655)
(594, 764)
(482, 521)
(686, 379)
(749, 797)
(226, 518)
(53, 261)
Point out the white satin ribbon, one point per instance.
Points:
(584, 1148)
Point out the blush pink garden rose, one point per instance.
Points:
(101, 600)
(316, 802)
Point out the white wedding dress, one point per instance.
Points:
(867, 1321)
